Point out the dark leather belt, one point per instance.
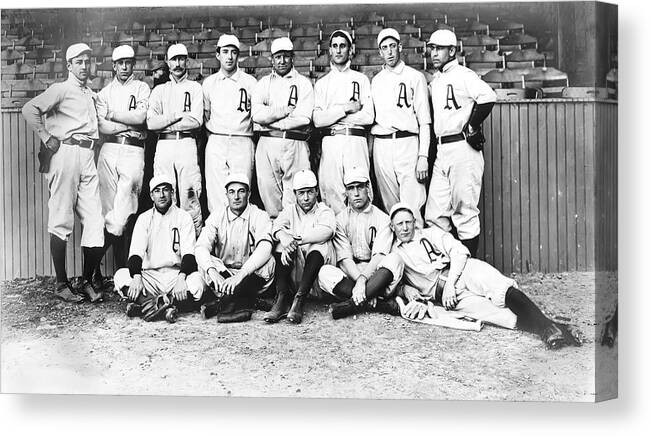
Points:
(348, 131)
(83, 143)
(440, 284)
(358, 260)
(230, 135)
(125, 140)
(286, 134)
(176, 135)
(452, 138)
(397, 135)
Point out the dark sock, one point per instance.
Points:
(471, 245)
(92, 256)
(313, 264)
(108, 240)
(378, 281)
(530, 318)
(58, 251)
(283, 274)
(120, 252)
(344, 289)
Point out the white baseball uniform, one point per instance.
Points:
(161, 241)
(458, 169)
(401, 107)
(228, 243)
(230, 145)
(121, 159)
(481, 288)
(176, 150)
(66, 111)
(344, 145)
(278, 157)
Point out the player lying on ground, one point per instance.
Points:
(234, 254)
(437, 267)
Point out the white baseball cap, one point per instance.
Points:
(160, 180)
(387, 33)
(225, 40)
(443, 38)
(76, 49)
(176, 50)
(237, 178)
(281, 44)
(398, 207)
(304, 179)
(123, 52)
(341, 32)
(355, 175)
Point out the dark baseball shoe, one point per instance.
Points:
(389, 306)
(102, 283)
(65, 292)
(133, 310)
(553, 337)
(171, 315)
(89, 291)
(572, 334)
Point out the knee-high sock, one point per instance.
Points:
(530, 318)
(472, 245)
(58, 252)
(378, 281)
(109, 239)
(283, 273)
(92, 256)
(313, 264)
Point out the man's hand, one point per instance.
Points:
(136, 287)
(359, 291)
(421, 169)
(175, 117)
(288, 242)
(411, 293)
(180, 290)
(286, 257)
(228, 285)
(216, 280)
(415, 310)
(53, 144)
(289, 110)
(352, 106)
(449, 298)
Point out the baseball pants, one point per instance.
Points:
(74, 187)
(277, 160)
(455, 188)
(395, 171)
(339, 154)
(157, 281)
(265, 272)
(180, 157)
(120, 169)
(225, 155)
(300, 256)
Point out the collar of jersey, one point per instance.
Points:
(447, 67)
(398, 68)
(289, 75)
(416, 235)
(309, 212)
(76, 82)
(183, 78)
(234, 77)
(336, 71)
(230, 216)
(366, 210)
(126, 82)
(166, 213)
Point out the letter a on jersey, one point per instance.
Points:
(293, 96)
(402, 96)
(187, 103)
(132, 103)
(450, 98)
(244, 101)
(355, 96)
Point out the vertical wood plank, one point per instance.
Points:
(534, 196)
(570, 171)
(543, 163)
(581, 187)
(486, 198)
(552, 197)
(15, 200)
(525, 221)
(21, 150)
(561, 186)
(590, 184)
(498, 182)
(516, 194)
(4, 254)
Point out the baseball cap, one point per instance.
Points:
(159, 180)
(76, 49)
(443, 38)
(237, 178)
(387, 33)
(355, 175)
(176, 50)
(281, 44)
(398, 207)
(225, 40)
(304, 179)
(341, 32)
(123, 52)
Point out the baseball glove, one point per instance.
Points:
(475, 139)
(154, 308)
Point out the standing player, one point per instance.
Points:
(461, 102)
(438, 268)
(344, 108)
(65, 118)
(234, 253)
(402, 127)
(282, 105)
(304, 231)
(122, 112)
(176, 112)
(227, 114)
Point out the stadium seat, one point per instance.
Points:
(484, 42)
(483, 59)
(510, 93)
(517, 41)
(584, 92)
(550, 80)
(504, 78)
(25, 88)
(17, 71)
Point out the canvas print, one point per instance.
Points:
(392, 200)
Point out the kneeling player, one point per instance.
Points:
(438, 267)
(234, 254)
(161, 263)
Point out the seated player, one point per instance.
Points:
(365, 277)
(304, 231)
(234, 254)
(438, 267)
(161, 256)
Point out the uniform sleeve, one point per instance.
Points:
(323, 115)
(205, 88)
(187, 234)
(282, 222)
(365, 116)
(40, 105)
(140, 235)
(197, 104)
(446, 243)
(101, 103)
(206, 242)
(143, 97)
(479, 90)
(261, 112)
(262, 227)
(343, 247)
(326, 217)
(302, 115)
(384, 237)
(155, 104)
(421, 100)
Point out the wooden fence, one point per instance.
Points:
(550, 188)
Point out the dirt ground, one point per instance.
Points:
(48, 346)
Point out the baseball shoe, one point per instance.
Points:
(572, 334)
(279, 309)
(208, 310)
(171, 315)
(295, 314)
(553, 337)
(345, 309)
(389, 306)
(65, 292)
(133, 310)
(89, 291)
(262, 304)
(102, 283)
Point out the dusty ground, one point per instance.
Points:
(54, 347)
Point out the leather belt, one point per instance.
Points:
(125, 140)
(176, 135)
(286, 134)
(83, 143)
(348, 131)
(451, 138)
(231, 135)
(440, 284)
(397, 135)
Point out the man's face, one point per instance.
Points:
(357, 194)
(228, 58)
(80, 67)
(157, 74)
(306, 198)
(403, 225)
(441, 54)
(178, 65)
(339, 50)
(238, 197)
(282, 62)
(123, 69)
(390, 51)
(161, 195)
